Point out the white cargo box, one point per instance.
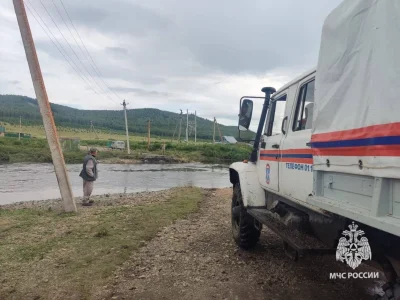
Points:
(356, 122)
(357, 97)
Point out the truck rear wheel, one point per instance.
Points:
(245, 233)
(391, 291)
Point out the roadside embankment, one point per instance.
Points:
(47, 254)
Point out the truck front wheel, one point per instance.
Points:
(245, 233)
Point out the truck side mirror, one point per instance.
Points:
(246, 111)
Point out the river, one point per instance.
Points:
(25, 182)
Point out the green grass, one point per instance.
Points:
(78, 253)
(36, 150)
(84, 134)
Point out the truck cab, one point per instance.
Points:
(285, 154)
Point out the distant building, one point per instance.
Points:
(2, 131)
(117, 145)
(228, 140)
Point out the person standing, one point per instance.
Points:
(89, 175)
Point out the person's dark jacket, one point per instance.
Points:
(89, 169)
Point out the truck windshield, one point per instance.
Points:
(275, 116)
(279, 115)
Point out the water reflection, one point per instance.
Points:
(38, 181)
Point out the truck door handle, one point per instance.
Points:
(276, 146)
(283, 125)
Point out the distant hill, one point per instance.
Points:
(163, 123)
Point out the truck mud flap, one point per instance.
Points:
(302, 243)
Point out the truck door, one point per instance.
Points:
(296, 165)
(269, 154)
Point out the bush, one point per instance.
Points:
(102, 143)
(4, 157)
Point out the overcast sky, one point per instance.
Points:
(166, 54)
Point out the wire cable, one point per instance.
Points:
(76, 42)
(74, 51)
(91, 58)
(58, 48)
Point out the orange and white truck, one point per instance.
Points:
(324, 173)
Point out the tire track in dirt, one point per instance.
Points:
(196, 258)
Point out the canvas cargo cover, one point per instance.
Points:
(356, 123)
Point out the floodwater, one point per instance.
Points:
(25, 182)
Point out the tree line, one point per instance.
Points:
(163, 123)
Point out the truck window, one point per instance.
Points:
(305, 107)
(275, 116)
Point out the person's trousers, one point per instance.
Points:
(87, 188)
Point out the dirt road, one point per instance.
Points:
(196, 258)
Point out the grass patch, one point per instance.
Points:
(36, 150)
(69, 256)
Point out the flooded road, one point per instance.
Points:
(25, 182)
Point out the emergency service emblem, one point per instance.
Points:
(267, 173)
(353, 248)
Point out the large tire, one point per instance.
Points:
(391, 291)
(245, 233)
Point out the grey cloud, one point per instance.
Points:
(14, 82)
(108, 70)
(117, 50)
(175, 53)
(139, 91)
(116, 16)
(188, 38)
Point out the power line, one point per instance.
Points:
(66, 24)
(88, 83)
(94, 64)
(73, 36)
(74, 51)
(69, 60)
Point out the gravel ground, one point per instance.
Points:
(131, 199)
(196, 258)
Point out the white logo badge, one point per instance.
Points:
(353, 249)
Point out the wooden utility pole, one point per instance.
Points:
(91, 130)
(214, 131)
(45, 109)
(220, 135)
(124, 104)
(187, 125)
(195, 127)
(173, 136)
(180, 127)
(148, 134)
(20, 128)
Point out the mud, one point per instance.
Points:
(196, 258)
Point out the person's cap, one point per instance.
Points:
(93, 150)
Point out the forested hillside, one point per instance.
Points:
(163, 123)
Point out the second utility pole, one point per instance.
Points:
(148, 135)
(195, 127)
(126, 128)
(20, 128)
(214, 131)
(180, 127)
(187, 125)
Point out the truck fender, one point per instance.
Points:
(246, 174)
